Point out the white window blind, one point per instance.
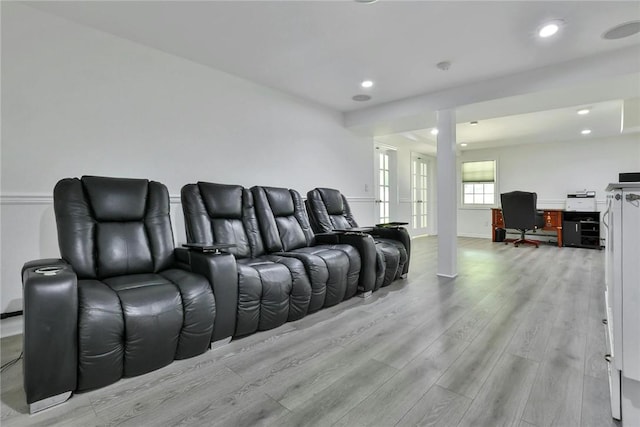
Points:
(484, 171)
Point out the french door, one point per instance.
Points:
(419, 193)
(386, 187)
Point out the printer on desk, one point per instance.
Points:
(581, 201)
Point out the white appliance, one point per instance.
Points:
(622, 297)
(581, 201)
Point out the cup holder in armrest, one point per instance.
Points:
(50, 270)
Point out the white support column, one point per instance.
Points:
(447, 195)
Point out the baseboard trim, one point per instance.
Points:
(11, 326)
(474, 235)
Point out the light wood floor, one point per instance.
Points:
(516, 339)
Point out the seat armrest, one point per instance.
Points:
(209, 248)
(221, 271)
(327, 238)
(50, 331)
(396, 233)
(366, 247)
(354, 230)
(393, 224)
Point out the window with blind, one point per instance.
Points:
(479, 182)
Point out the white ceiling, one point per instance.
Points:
(321, 50)
(560, 124)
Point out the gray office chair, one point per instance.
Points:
(519, 212)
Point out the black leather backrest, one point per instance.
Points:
(519, 209)
(329, 210)
(113, 226)
(219, 213)
(284, 224)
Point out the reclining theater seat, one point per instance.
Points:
(271, 289)
(329, 210)
(334, 216)
(333, 269)
(117, 304)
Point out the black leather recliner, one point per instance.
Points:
(329, 210)
(271, 289)
(121, 302)
(333, 268)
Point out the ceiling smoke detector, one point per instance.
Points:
(361, 97)
(621, 31)
(444, 65)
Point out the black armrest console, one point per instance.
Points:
(354, 230)
(208, 248)
(392, 224)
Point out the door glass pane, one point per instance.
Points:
(419, 183)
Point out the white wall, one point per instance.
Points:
(78, 101)
(552, 170)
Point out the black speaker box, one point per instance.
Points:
(630, 177)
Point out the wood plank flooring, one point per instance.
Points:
(514, 340)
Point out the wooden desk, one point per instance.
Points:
(552, 222)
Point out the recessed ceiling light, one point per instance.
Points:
(366, 83)
(623, 30)
(473, 123)
(549, 29)
(361, 97)
(584, 111)
(365, 1)
(464, 144)
(434, 131)
(585, 131)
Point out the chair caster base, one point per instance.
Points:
(49, 402)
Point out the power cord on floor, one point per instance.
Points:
(10, 363)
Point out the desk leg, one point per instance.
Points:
(493, 233)
(559, 232)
